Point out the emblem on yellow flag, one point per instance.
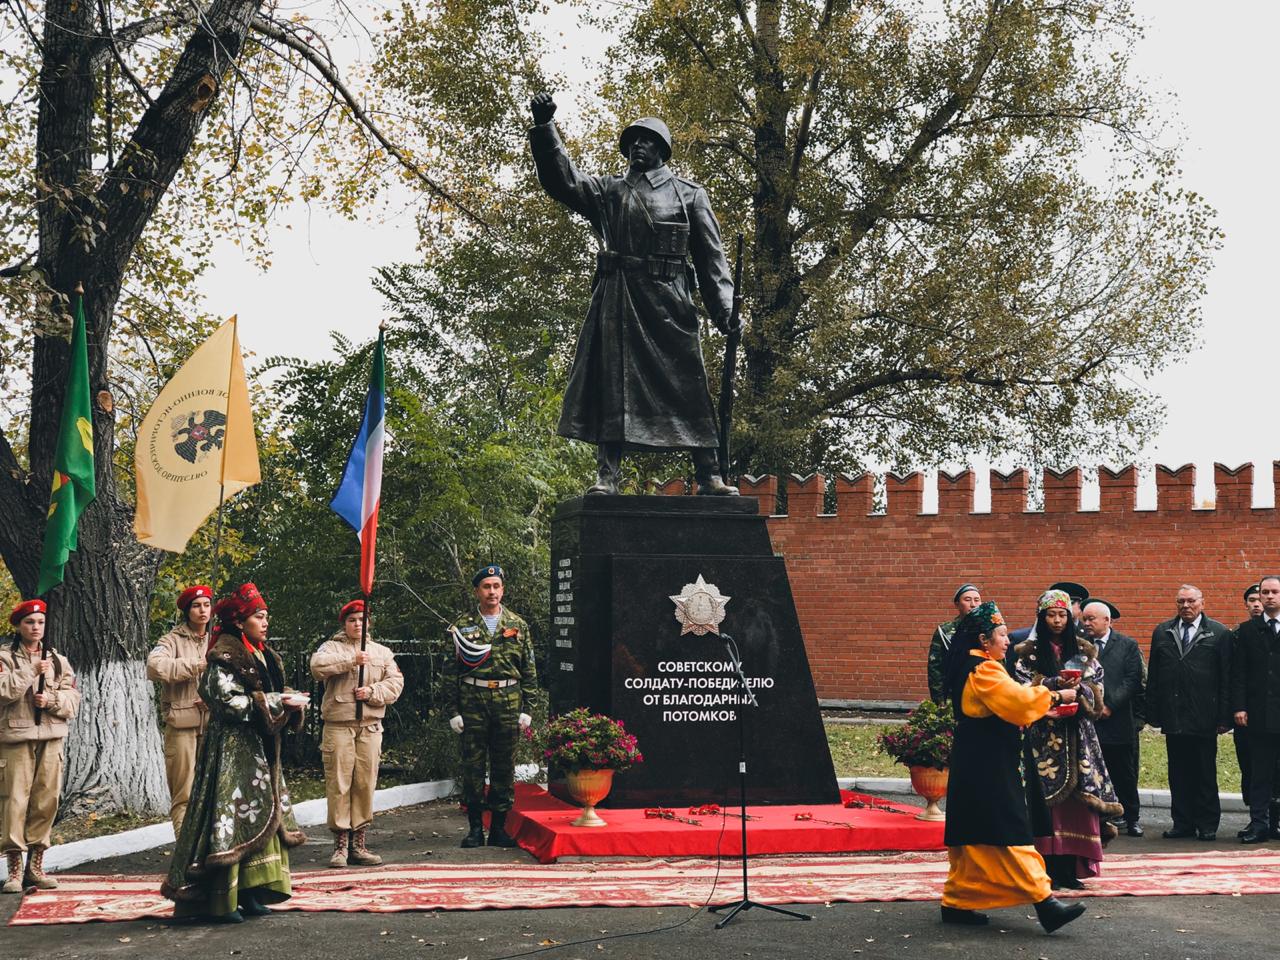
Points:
(196, 444)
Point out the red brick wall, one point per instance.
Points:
(869, 589)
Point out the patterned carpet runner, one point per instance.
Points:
(780, 880)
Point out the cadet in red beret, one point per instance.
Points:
(33, 728)
(176, 663)
(352, 748)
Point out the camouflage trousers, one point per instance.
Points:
(489, 730)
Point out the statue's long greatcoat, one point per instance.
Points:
(638, 378)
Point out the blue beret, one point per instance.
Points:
(492, 570)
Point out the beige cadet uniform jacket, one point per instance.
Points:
(335, 664)
(177, 662)
(19, 679)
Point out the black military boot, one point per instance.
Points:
(608, 467)
(1274, 816)
(1053, 913)
(498, 836)
(706, 472)
(475, 836)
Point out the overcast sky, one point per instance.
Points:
(1208, 65)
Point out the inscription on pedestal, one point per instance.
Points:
(619, 565)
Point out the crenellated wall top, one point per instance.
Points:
(854, 495)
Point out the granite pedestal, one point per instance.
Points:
(618, 648)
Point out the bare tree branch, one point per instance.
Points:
(279, 33)
(119, 58)
(870, 213)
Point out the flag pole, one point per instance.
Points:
(368, 601)
(45, 645)
(222, 470)
(364, 640)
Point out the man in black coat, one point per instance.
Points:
(1187, 698)
(1252, 608)
(1121, 662)
(1255, 701)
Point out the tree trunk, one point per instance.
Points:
(99, 617)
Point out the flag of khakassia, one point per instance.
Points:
(196, 444)
(74, 486)
(360, 493)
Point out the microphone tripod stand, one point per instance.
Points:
(746, 903)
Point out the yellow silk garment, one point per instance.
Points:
(985, 877)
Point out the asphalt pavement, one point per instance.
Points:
(1239, 927)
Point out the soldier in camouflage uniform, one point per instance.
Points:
(489, 689)
(967, 597)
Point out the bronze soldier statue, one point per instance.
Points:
(638, 381)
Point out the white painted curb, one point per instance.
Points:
(1155, 799)
(308, 814)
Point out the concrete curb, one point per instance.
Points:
(1154, 799)
(308, 814)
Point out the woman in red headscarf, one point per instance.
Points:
(232, 857)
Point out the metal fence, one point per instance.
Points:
(421, 671)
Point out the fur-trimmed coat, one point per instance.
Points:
(239, 798)
(1065, 753)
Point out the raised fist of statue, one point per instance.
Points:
(543, 107)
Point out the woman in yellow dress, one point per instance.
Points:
(994, 862)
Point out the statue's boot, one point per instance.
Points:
(706, 471)
(608, 467)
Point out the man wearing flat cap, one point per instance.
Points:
(1188, 688)
(966, 598)
(176, 663)
(489, 689)
(1121, 662)
(638, 381)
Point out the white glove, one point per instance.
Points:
(524, 720)
(456, 724)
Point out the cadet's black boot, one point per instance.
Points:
(498, 836)
(608, 467)
(706, 472)
(967, 918)
(475, 836)
(1053, 913)
(1274, 811)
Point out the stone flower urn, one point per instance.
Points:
(931, 784)
(589, 787)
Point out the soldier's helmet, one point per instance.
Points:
(648, 125)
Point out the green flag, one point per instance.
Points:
(73, 482)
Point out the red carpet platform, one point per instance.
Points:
(540, 823)
(778, 880)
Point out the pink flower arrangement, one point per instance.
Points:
(581, 740)
(924, 740)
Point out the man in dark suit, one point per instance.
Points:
(1121, 662)
(1186, 699)
(1255, 700)
(1252, 608)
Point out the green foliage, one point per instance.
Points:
(924, 740)
(582, 740)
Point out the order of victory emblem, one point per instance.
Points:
(700, 608)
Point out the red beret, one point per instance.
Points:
(25, 609)
(355, 606)
(191, 594)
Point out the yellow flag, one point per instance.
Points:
(196, 444)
